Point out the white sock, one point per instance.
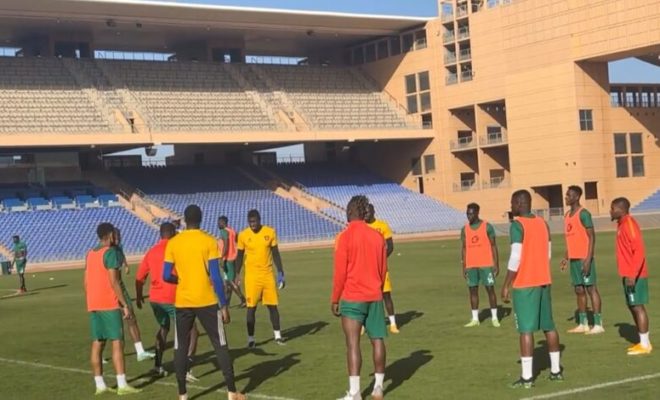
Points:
(354, 385)
(392, 320)
(138, 347)
(493, 313)
(250, 339)
(121, 381)
(278, 335)
(380, 379)
(526, 363)
(644, 339)
(555, 366)
(100, 383)
(475, 315)
(183, 397)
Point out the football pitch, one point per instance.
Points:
(44, 337)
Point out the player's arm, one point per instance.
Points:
(635, 242)
(516, 234)
(112, 264)
(140, 277)
(277, 260)
(240, 254)
(463, 251)
(339, 274)
(493, 246)
(217, 281)
(168, 265)
(585, 219)
(225, 245)
(390, 246)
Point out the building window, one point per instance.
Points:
(586, 120)
(636, 143)
(395, 45)
(429, 164)
(371, 52)
(424, 82)
(411, 84)
(420, 39)
(629, 155)
(416, 166)
(620, 145)
(408, 43)
(622, 167)
(637, 165)
(418, 91)
(382, 49)
(427, 121)
(412, 104)
(591, 190)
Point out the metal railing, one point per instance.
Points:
(448, 37)
(465, 54)
(466, 76)
(463, 33)
(461, 11)
(451, 79)
(493, 138)
(463, 143)
(466, 186)
(449, 16)
(450, 58)
(494, 183)
(548, 213)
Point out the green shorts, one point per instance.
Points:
(370, 314)
(533, 309)
(20, 266)
(639, 295)
(576, 274)
(480, 276)
(230, 270)
(164, 313)
(106, 325)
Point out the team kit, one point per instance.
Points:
(192, 277)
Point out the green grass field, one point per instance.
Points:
(44, 337)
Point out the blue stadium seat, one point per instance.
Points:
(651, 203)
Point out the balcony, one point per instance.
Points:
(450, 58)
(461, 12)
(493, 139)
(464, 143)
(496, 183)
(448, 17)
(448, 37)
(466, 76)
(451, 79)
(463, 33)
(465, 54)
(466, 186)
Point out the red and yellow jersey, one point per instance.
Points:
(152, 265)
(99, 293)
(382, 227)
(478, 249)
(534, 269)
(630, 250)
(360, 264)
(258, 258)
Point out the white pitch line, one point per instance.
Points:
(87, 372)
(592, 387)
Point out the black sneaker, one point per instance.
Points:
(522, 383)
(252, 344)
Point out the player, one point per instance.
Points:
(106, 305)
(192, 263)
(133, 328)
(161, 297)
(20, 261)
(357, 294)
(580, 242)
(257, 249)
(228, 253)
(481, 262)
(529, 273)
(384, 229)
(631, 262)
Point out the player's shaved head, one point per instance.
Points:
(474, 207)
(167, 230)
(254, 220)
(224, 219)
(622, 203)
(619, 208)
(105, 230)
(357, 208)
(575, 189)
(193, 216)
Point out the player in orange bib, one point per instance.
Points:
(228, 254)
(529, 274)
(480, 261)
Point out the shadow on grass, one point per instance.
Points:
(407, 317)
(235, 354)
(296, 332)
(628, 332)
(502, 313)
(258, 374)
(542, 358)
(402, 370)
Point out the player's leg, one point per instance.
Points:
(526, 305)
(353, 316)
(253, 291)
(97, 365)
(590, 283)
(211, 320)
(637, 298)
(163, 317)
(487, 278)
(577, 279)
(237, 289)
(472, 279)
(113, 330)
(134, 331)
(192, 350)
(377, 333)
(21, 278)
(250, 321)
(547, 325)
(270, 299)
(185, 319)
(389, 304)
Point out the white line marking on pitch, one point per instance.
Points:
(86, 372)
(593, 387)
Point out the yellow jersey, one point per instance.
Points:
(382, 227)
(190, 252)
(258, 258)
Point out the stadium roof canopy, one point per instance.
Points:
(158, 25)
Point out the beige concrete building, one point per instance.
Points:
(488, 97)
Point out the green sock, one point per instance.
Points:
(598, 319)
(583, 318)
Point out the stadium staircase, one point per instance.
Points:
(649, 204)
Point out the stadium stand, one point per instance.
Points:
(218, 191)
(68, 234)
(56, 195)
(40, 95)
(404, 210)
(651, 203)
